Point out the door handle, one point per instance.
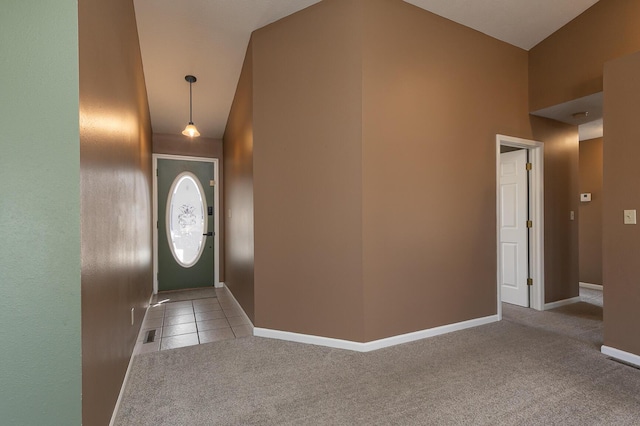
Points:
(208, 234)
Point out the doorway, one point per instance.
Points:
(533, 241)
(513, 219)
(186, 219)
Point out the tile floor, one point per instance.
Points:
(192, 317)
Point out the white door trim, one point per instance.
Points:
(536, 212)
(216, 215)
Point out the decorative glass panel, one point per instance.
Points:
(186, 219)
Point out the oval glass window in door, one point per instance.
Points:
(186, 219)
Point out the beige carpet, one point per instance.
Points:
(531, 368)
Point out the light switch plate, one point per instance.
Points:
(630, 217)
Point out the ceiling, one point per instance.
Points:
(591, 130)
(204, 38)
(585, 112)
(523, 23)
(208, 39)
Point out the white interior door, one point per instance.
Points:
(514, 253)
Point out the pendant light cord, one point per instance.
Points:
(190, 130)
(190, 104)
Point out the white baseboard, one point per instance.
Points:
(373, 345)
(627, 357)
(126, 375)
(591, 286)
(559, 303)
(219, 285)
(244, 314)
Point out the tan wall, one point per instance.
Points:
(561, 152)
(164, 143)
(115, 162)
(307, 172)
(197, 147)
(435, 94)
(590, 224)
(238, 191)
(374, 170)
(621, 243)
(568, 64)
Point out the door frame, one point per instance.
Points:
(216, 215)
(536, 214)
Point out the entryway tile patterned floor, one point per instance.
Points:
(191, 317)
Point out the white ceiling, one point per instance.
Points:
(208, 39)
(592, 105)
(204, 38)
(591, 130)
(523, 23)
(589, 125)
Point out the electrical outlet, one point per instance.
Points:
(630, 217)
(132, 315)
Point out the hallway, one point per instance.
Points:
(581, 320)
(190, 317)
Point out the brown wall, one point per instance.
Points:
(568, 64)
(164, 143)
(115, 162)
(429, 191)
(307, 75)
(621, 243)
(197, 147)
(238, 191)
(561, 154)
(590, 224)
(374, 170)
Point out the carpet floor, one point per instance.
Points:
(532, 368)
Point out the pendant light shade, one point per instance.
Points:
(190, 130)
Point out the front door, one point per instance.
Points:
(514, 247)
(185, 224)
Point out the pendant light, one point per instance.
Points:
(190, 130)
